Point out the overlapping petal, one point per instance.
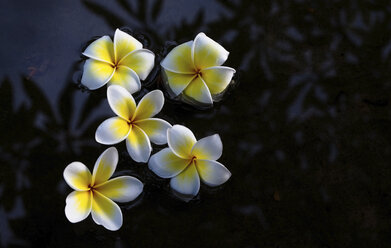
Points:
(212, 173)
(138, 145)
(178, 81)
(179, 59)
(112, 131)
(77, 176)
(217, 78)
(96, 73)
(121, 102)
(166, 164)
(187, 182)
(126, 78)
(155, 128)
(105, 212)
(181, 140)
(209, 147)
(198, 91)
(141, 61)
(149, 105)
(123, 44)
(105, 166)
(78, 205)
(102, 49)
(207, 52)
(121, 189)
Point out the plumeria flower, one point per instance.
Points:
(186, 160)
(96, 193)
(194, 69)
(135, 124)
(122, 62)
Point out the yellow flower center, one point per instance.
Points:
(193, 159)
(115, 65)
(198, 72)
(90, 187)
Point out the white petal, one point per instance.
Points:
(138, 145)
(181, 140)
(126, 78)
(179, 59)
(105, 166)
(198, 91)
(212, 173)
(208, 148)
(207, 52)
(123, 44)
(102, 49)
(77, 176)
(78, 205)
(112, 131)
(217, 78)
(96, 74)
(105, 212)
(121, 189)
(141, 61)
(155, 128)
(187, 182)
(166, 164)
(178, 81)
(149, 105)
(121, 102)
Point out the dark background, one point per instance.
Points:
(306, 128)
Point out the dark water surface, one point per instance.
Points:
(306, 130)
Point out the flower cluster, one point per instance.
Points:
(192, 69)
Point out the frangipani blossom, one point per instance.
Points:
(194, 69)
(186, 160)
(134, 123)
(96, 193)
(122, 62)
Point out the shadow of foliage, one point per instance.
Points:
(305, 133)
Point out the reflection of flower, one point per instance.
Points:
(122, 62)
(186, 160)
(134, 123)
(194, 69)
(95, 193)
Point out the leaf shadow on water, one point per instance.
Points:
(302, 134)
(143, 17)
(306, 102)
(39, 138)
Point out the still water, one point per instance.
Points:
(305, 128)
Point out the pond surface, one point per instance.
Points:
(306, 128)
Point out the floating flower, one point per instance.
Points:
(96, 193)
(122, 62)
(134, 123)
(186, 160)
(194, 69)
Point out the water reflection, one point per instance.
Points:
(310, 120)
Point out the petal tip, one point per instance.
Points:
(112, 149)
(200, 34)
(159, 94)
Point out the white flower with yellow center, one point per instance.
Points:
(96, 194)
(122, 62)
(194, 69)
(134, 123)
(186, 160)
